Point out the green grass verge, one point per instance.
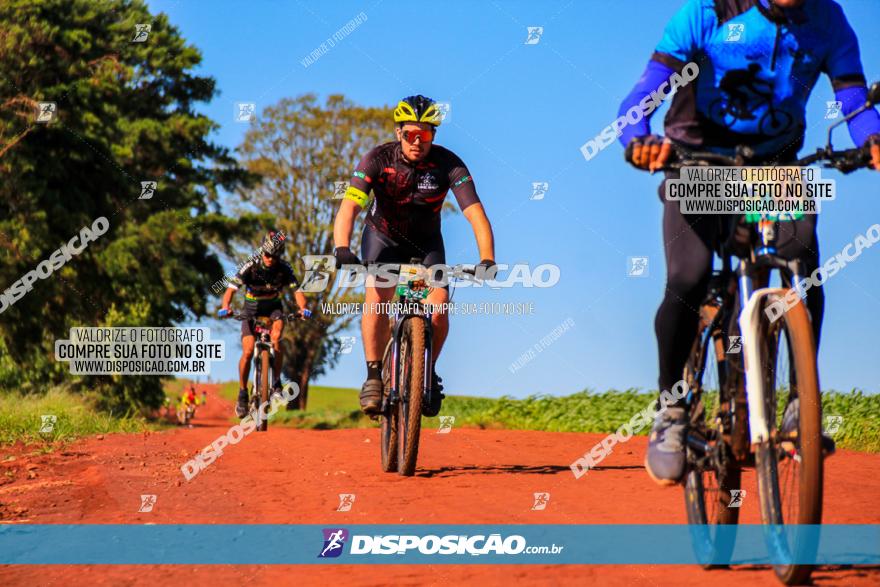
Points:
(606, 412)
(334, 407)
(586, 411)
(21, 419)
(329, 408)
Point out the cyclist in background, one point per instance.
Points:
(409, 178)
(780, 45)
(190, 396)
(265, 281)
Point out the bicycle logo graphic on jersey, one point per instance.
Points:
(744, 94)
(334, 539)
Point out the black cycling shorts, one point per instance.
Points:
(377, 247)
(273, 309)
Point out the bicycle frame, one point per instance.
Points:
(262, 342)
(761, 259)
(418, 312)
(762, 249)
(709, 447)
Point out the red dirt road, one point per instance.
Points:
(467, 476)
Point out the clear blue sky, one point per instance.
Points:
(519, 114)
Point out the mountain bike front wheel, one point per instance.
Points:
(411, 388)
(262, 391)
(789, 464)
(388, 430)
(711, 478)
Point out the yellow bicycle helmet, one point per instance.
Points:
(417, 109)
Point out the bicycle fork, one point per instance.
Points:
(752, 304)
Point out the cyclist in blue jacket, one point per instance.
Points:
(758, 63)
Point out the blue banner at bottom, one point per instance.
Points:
(188, 544)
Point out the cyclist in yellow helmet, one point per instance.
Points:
(409, 178)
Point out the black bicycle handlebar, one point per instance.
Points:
(845, 161)
(242, 317)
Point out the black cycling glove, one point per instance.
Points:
(486, 269)
(344, 256)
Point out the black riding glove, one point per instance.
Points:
(344, 256)
(486, 269)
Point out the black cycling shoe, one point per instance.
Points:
(371, 397)
(432, 409)
(241, 407)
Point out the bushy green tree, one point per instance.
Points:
(300, 148)
(126, 113)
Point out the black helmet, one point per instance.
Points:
(417, 109)
(273, 243)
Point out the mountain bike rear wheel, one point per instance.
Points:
(789, 464)
(411, 387)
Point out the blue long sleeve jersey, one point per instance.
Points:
(757, 67)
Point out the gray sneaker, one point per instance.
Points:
(788, 431)
(666, 457)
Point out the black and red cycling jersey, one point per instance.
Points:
(264, 284)
(408, 196)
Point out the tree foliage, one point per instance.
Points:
(300, 148)
(126, 113)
